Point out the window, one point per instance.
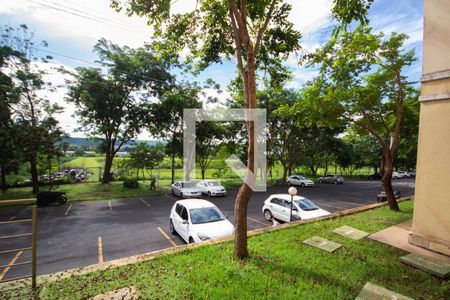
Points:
(184, 214)
(286, 203)
(276, 201)
(213, 183)
(306, 205)
(188, 184)
(178, 209)
(205, 215)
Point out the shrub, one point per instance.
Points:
(130, 183)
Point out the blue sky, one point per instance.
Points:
(72, 27)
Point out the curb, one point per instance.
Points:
(42, 279)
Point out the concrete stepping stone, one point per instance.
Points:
(350, 232)
(126, 293)
(427, 264)
(372, 291)
(321, 243)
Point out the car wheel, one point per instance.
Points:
(335, 182)
(209, 194)
(268, 215)
(62, 200)
(181, 195)
(302, 185)
(320, 180)
(191, 240)
(172, 228)
(173, 192)
(289, 183)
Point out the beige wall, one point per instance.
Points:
(436, 36)
(431, 220)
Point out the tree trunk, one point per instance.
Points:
(386, 181)
(285, 171)
(203, 168)
(3, 179)
(107, 170)
(34, 173)
(173, 167)
(326, 167)
(245, 192)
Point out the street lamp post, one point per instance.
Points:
(292, 191)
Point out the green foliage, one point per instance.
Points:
(346, 11)
(111, 106)
(143, 157)
(32, 126)
(130, 183)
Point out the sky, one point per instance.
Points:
(72, 27)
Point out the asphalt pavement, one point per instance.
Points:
(83, 233)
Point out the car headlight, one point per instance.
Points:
(203, 236)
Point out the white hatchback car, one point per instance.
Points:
(299, 180)
(185, 189)
(211, 188)
(197, 220)
(278, 207)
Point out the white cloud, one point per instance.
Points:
(309, 16)
(82, 22)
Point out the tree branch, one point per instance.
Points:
(263, 28)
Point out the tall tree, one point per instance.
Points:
(32, 112)
(285, 138)
(8, 96)
(113, 106)
(258, 34)
(209, 137)
(166, 117)
(144, 157)
(362, 74)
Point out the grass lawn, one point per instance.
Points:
(85, 191)
(98, 191)
(279, 267)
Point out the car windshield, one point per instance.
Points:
(213, 183)
(205, 215)
(301, 177)
(187, 184)
(306, 204)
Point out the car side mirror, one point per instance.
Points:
(184, 221)
(226, 217)
(294, 208)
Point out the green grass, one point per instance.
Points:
(98, 191)
(279, 267)
(85, 191)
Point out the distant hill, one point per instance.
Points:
(80, 142)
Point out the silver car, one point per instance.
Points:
(332, 178)
(185, 189)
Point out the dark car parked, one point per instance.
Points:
(374, 176)
(46, 198)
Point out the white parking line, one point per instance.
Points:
(170, 197)
(68, 209)
(145, 202)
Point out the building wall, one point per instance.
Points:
(431, 220)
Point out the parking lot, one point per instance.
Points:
(83, 233)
